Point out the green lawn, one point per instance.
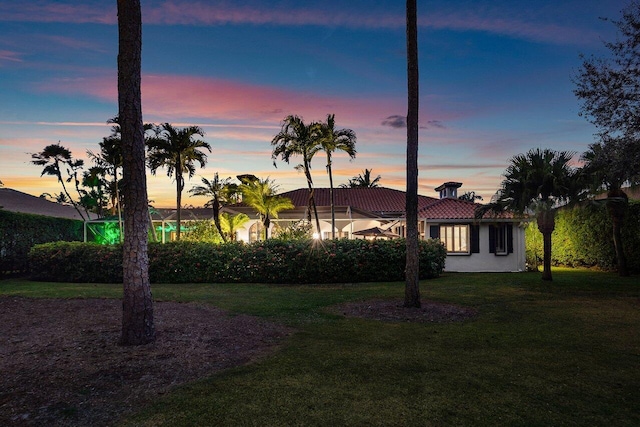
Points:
(538, 354)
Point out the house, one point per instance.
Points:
(493, 243)
(17, 201)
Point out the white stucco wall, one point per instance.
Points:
(480, 262)
(488, 262)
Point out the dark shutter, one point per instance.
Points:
(475, 239)
(492, 238)
(510, 238)
(434, 231)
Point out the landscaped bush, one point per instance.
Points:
(76, 262)
(583, 237)
(19, 232)
(272, 261)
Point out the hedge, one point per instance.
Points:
(583, 237)
(19, 232)
(272, 261)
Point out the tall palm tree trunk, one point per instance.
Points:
(216, 218)
(66, 192)
(312, 200)
(412, 272)
(546, 224)
(120, 216)
(617, 206)
(179, 188)
(333, 208)
(266, 222)
(137, 305)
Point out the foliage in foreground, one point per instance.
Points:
(583, 238)
(271, 261)
(20, 231)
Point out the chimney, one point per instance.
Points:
(449, 190)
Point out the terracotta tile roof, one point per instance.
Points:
(379, 200)
(386, 202)
(458, 209)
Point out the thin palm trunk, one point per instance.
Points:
(312, 201)
(216, 218)
(266, 222)
(77, 185)
(66, 192)
(616, 205)
(119, 215)
(412, 278)
(114, 196)
(178, 203)
(333, 209)
(546, 224)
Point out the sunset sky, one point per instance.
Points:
(495, 80)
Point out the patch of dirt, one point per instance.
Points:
(60, 362)
(393, 311)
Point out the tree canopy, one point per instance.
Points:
(538, 182)
(177, 150)
(364, 180)
(609, 87)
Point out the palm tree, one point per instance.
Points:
(363, 181)
(137, 305)
(176, 150)
(610, 164)
(218, 191)
(539, 181)
(331, 140)
(232, 223)
(470, 196)
(412, 273)
(109, 158)
(93, 196)
(296, 138)
(261, 195)
(53, 157)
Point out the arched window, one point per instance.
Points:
(256, 232)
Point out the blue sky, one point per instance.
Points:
(495, 81)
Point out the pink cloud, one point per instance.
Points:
(180, 12)
(511, 26)
(46, 11)
(168, 97)
(7, 55)
(72, 43)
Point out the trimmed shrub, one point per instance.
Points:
(19, 232)
(583, 237)
(272, 261)
(76, 262)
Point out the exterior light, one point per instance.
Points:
(316, 236)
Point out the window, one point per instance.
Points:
(401, 230)
(421, 230)
(326, 235)
(256, 232)
(455, 238)
(501, 239)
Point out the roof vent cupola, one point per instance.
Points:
(449, 190)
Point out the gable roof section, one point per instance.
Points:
(386, 202)
(17, 201)
(452, 209)
(383, 202)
